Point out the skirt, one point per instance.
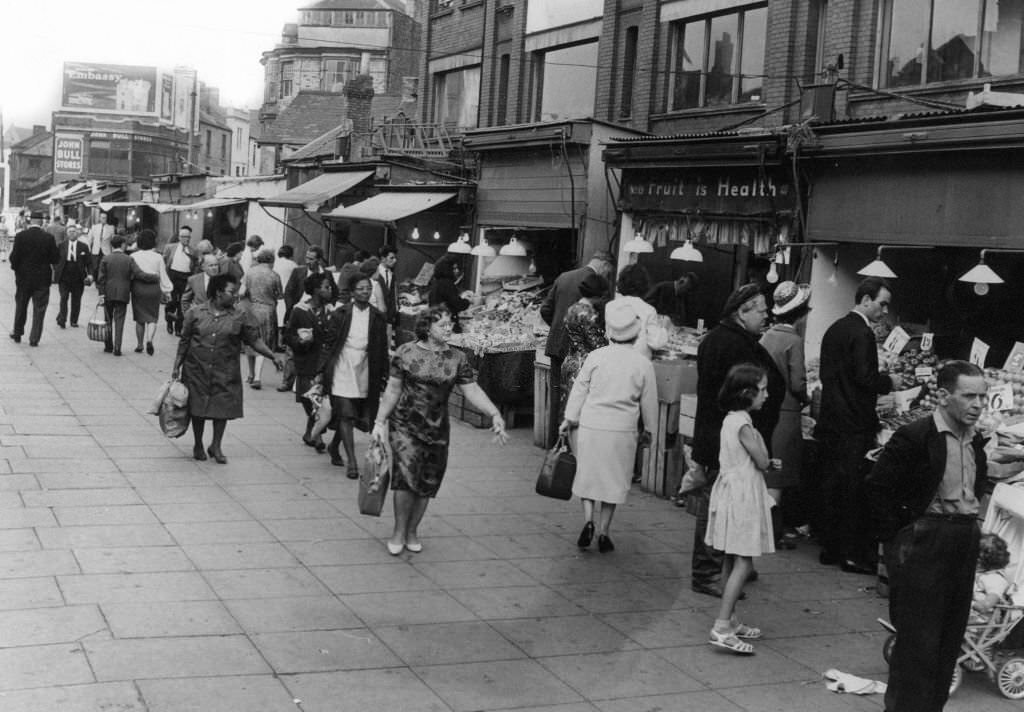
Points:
(265, 316)
(740, 515)
(604, 464)
(146, 302)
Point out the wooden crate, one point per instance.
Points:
(663, 460)
(541, 402)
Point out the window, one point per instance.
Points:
(567, 82)
(378, 71)
(238, 137)
(223, 147)
(717, 60)
(287, 70)
(628, 70)
(209, 142)
(339, 71)
(965, 39)
(457, 98)
(504, 65)
(820, 60)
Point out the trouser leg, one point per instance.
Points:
(22, 296)
(120, 311)
(63, 291)
(40, 300)
(706, 562)
(76, 302)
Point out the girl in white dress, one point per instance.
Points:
(739, 516)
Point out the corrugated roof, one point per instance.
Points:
(309, 114)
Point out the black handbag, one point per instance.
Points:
(558, 471)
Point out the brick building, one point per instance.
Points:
(31, 166)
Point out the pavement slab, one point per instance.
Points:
(195, 656)
(102, 697)
(361, 690)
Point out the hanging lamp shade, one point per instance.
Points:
(638, 245)
(461, 246)
(687, 253)
(878, 268)
(981, 273)
(483, 250)
(514, 248)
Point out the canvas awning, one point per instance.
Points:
(314, 193)
(210, 203)
(159, 207)
(73, 189)
(48, 193)
(389, 207)
(98, 195)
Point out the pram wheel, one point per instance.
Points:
(887, 647)
(1010, 678)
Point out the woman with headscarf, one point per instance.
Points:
(146, 296)
(261, 289)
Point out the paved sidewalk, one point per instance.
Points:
(134, 578)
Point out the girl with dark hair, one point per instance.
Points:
(146, 296)
(305, 335)
(739, 514)
(990, 583)
(423, 374)
(208, 361)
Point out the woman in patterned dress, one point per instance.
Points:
(584, 324)
(423, 374)
(261, 288)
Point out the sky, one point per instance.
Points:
(221, 39)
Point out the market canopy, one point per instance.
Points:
(389, 207)
(73, 189)
(48, 193)
(314, 193)
(210, 203)
(96, 196)
(159, 207)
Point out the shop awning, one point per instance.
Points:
(389, 207)
(97, 196)
(48, 193)
(72, 190)
(923, 200)
(159, 207)
(210, 203)
(314, 193)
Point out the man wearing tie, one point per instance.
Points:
(71, 274)
(385, 291)
(196, 285)
(181, 262)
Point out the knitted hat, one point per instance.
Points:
(621, 320)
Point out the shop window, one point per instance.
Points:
(567, 79)
(717, 60)
(928, 41)
(628, 70)
(457, 98)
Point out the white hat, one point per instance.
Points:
(790, 296)
(621, 320)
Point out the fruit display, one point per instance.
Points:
(892, 420)
(997, 378)
(510, 321)
(682, 341)
(905, 365)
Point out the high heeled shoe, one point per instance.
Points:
(217, 456)
(149, 348)
(604, 544)
(395, 549)
(586, 536)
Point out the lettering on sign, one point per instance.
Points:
(1000, 397)
(723, 191)
(979, 350)
(67, 155)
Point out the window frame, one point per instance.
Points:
(676, 39)
(630, 55)
(540, 61)
(440, 96)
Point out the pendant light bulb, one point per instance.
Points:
(773, 274)
(981, 288)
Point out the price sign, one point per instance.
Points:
(1000, 397)
(1015, 361)
(923, 373)
(700, 325)
(926, 341)
(979, 350)
(898, 338)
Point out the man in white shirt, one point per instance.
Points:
(71, 274)
(99, 239)
(181, 262)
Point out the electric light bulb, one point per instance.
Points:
(773, 274)
(980, 288)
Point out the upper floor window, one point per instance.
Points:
(457, 97)
(567, 82)
(718, 60)
(339, 71)
(287, 71)
(925, 41)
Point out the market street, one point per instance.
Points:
(134, 578)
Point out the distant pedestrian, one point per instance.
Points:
(739, 514)
(71, 274)
(195, 287)
(613, 389)
(232, 262)
(253, 246)
(208, 362)
(260, 292)
(181, 262)
(305, 335)
(32, 259)
(114, 280)
(56, 228)
(146, 295)
(99, 237)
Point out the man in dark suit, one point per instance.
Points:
(72, 274)
(848, 425)
(563, 294)
(114, 282)
(671, 298)
(196, 285)
(32, 259)
(386, 289)
(294, 290)
(923, 494)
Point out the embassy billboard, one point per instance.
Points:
(111, 88)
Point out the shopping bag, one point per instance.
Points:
(375, 478)
(324, 413)
(98, 328)
(174, 415)
(154, 408)
(557, 472)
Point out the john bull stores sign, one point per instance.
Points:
(735, 191)
(67, 155)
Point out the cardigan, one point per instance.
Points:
(615, 383)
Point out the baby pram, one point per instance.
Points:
(979, 650)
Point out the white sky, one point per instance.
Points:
(221, 39)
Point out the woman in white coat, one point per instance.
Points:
(614, 387)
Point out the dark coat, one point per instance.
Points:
(72, 273)
(907, 475)
(376, 353)
(296, 287)
(850, 381)
(306, 355)
(725, 346)
(116, 272)
(563, 294)
(390, 296)
(32, 258)
(663, 297)
(195, 292)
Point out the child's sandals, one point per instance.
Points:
(729, 641)
(747, 632)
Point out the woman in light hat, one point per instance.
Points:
(614, 386)
(785, 342)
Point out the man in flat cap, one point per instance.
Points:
(733, 341)
(32, 259)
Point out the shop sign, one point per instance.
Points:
(67, 154)
(720, 191)
(114, 88)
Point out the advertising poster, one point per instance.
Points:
(67, 154)
(185, 88)
(166, 97)
(114, 88)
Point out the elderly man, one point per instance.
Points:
(181, 262)
(923, 494)
(848, 425)
(563, 294)
(196, 285)
(72, 273)
(733, 341)
(32, 259)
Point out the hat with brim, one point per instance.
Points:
(790, 296)
(36, 215)
(621, 320)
